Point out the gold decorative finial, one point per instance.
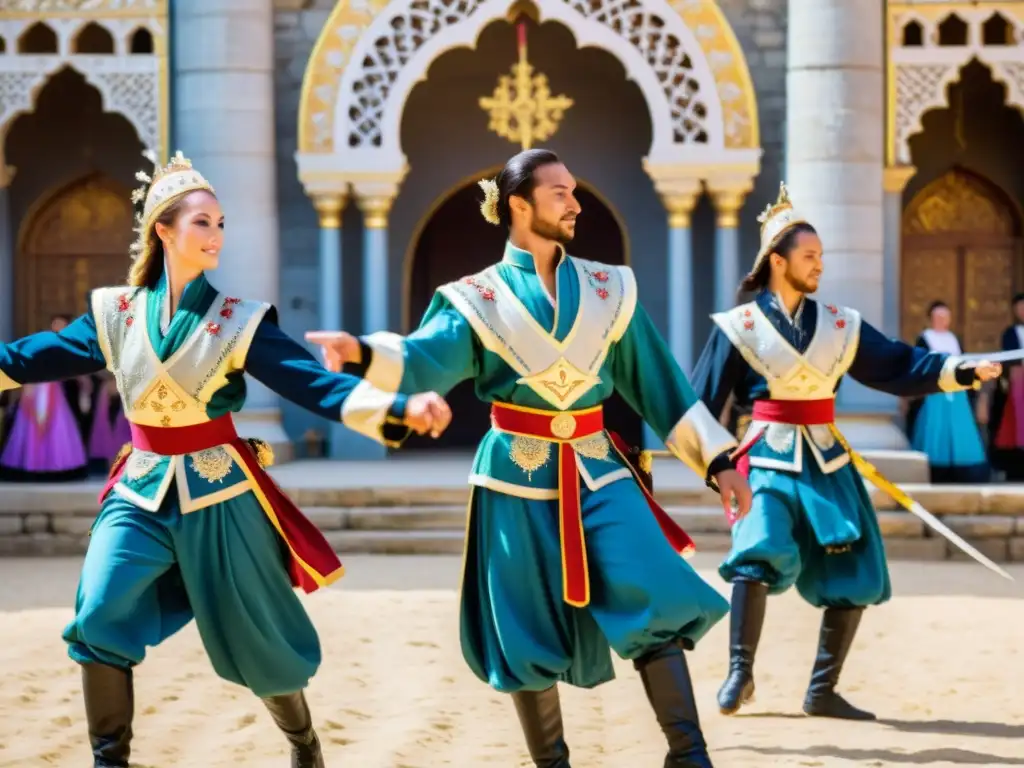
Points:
(489, 206)
(522, 108)
(782, 203)
(776, 219)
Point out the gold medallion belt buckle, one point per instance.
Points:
(563, 426)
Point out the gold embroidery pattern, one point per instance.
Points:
(140, 464)
(264, 453)
(157, 400)
(529, 454)
(594, 447)
(780, 437)
(213, 464)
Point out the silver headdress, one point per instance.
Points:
(166, 185)
(776, 220)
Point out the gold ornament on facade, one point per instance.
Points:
(529, 454)
(522, 109)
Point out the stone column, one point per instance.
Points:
(375, 208)
(329, 207)
(680, 203)
(6, 255)
(895, 181)
(728, 198)
(223, 73)
(835, 124)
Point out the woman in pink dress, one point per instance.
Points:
(110, 430)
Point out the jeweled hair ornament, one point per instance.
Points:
(776, 220)
(489, 206)
(160, 189)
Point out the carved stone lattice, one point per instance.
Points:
(919, 88)
(136, 95)
(16, 92)
(1011, 73)
(51, 6)
(410, 27)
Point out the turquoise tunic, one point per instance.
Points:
(154, 564)
(502, 329)
(812, 523)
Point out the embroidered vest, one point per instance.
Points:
(791, 375)
(175, 392)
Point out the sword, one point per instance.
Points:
(900, 496)
(1010, 356)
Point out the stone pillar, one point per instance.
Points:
(223, 73)
(895, 181)
(728, 198)
(6, 255)
(329, 207)
(835, 124)
(375, 208)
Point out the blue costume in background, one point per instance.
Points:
(190, 525)
(812, 523)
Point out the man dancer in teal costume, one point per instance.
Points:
(556, 571)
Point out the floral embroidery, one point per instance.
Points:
(840, 323)
(602, 293)
(749, 325)
(487, 294)
(129, 321)
(124, 304)
(213, 328)
(601, 277)
(227, 312)
(232, 300)
(595, 279)
(746, 313)
(833, 309)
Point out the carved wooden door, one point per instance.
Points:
(929, 274)
(988, 277)
(76, 241)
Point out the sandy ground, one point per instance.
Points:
(940, 664)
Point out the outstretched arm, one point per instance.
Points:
(650, 380)
(441, 353)
(286, 367)
(896, 368)
(49, 356)
(719, 371)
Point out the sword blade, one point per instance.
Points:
(938, 526)
(1010, 356)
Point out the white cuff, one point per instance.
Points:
(366, 409)
(697, 439)
(388, 363)
(6, 382)
(947, 376)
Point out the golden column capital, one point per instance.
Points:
(895, 177)
(375, 210)
(329, 207)
(728, 195)
(679, 206)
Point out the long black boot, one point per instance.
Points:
(667, 682)
(540, 715)
(109, 707)
(749, 599)
(838, 627)
(292, 716)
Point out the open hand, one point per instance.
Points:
(735, 492)
(986, 371)
(337, 347)
(427, 412)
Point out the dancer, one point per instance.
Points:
(943, 425)
(1006, 418)
(557, 570)
(812, 523)
(191, 526)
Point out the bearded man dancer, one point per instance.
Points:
(557, 570)
(812, 523)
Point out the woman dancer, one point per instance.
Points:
(191, 526)
(942, 425)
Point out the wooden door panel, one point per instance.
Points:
(928, 274)
(988, 288)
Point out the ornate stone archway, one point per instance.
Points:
(683, 55)
(130, 75)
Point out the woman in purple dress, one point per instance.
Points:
(110, 430)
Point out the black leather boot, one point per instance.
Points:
(667, 682)
(749, 599)
(109, 706)
(540, 715)
(291, 713)
(838, 627)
